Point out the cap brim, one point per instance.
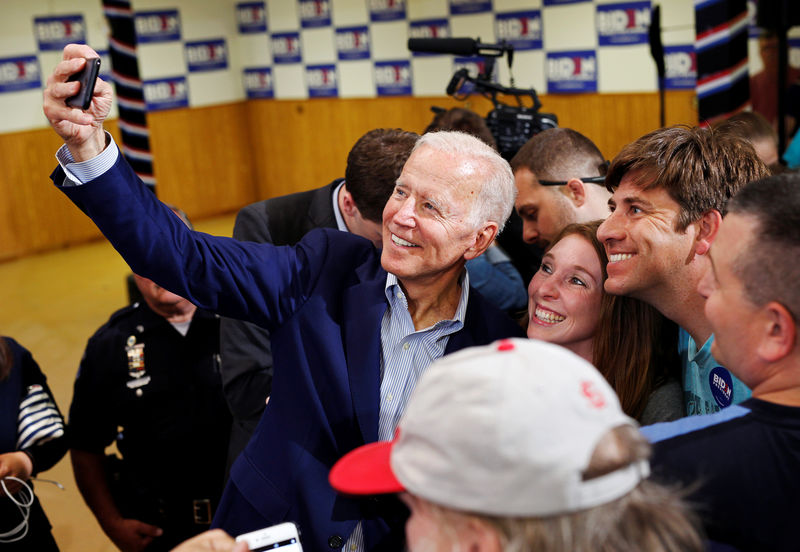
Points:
(366, 471)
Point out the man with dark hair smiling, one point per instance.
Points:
(742, 462)
(670, 190)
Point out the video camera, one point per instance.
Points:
(511, 125)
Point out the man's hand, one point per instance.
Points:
(131, 535)
(82, 131)
(213, 540)
(14, 464)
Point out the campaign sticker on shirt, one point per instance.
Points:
(623, 24)
(314, 13)
(352, 42)
(681, 67)
(321, 81)
(158, 26)
(428, 28)
(569, 72)
(462, 7)
(19, 73)
(206, 55)
(251, 17)
(721, 383)
(386, 10)
(55, 32)
(258, 82)
(522, 29)
(169, 93)
(286, 47)
(393, 78)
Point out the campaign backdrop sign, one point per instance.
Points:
(428, 28)
(206, 55)
(681, 67)
(314, 13)
(386, 10)
(169, 93)
(562, 2)
(623, 24)
(352, 42)
(55, 32)
(393, 78)
(321, 81)
(251, 17)
(522, 29)
(158, 26)
(105, 66)
(474, 65)
(258, 82)
(572, 71)
(794, 53)
(286, 47)
(19, 73)
(461, 7)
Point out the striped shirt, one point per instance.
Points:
(405, 355)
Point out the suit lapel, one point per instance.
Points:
(364, 305)
(320, 211)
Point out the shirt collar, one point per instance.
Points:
(393, 287)
(336, 212)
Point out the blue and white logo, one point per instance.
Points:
(428, 28)
(314, 13)
(562, 2)
(251, 17)
(623, 24)
(474, 66)
(572, 71)
(462, 7)
(206, 55)
(158, 26)
(386, 10)
(53, 33)
(169, 93)
(258, 82)
(523, 29)
(321, 80)
(352, 42)
(393, 78)
(681, 67)
(721, 383)
(286, 47)
(19, 73)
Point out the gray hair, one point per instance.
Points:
(497, 192)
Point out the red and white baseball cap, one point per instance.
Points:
(506, 429)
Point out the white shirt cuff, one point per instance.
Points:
(86, 171)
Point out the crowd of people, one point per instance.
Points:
(354, 359)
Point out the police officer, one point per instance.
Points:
(149, 381)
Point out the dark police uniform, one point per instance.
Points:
(159, 395)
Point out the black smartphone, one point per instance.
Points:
(87, 77)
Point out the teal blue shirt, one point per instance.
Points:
(707, 386)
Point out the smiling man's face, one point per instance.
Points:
(645, 251)
(427, 230)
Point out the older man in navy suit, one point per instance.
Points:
(352, 327)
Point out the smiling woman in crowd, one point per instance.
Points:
(623, 337)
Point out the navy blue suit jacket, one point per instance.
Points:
(322, 301)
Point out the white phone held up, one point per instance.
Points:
(282, 537)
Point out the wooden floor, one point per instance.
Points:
(52, 303)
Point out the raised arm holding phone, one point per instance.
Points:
(352, 327)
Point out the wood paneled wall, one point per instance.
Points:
(214, 160)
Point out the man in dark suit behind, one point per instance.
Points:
(352, 204)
